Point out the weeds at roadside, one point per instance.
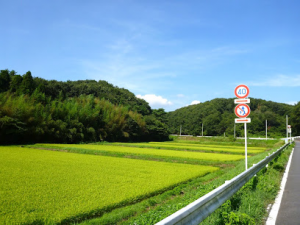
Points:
(248, 205)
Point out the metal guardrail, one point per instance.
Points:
(198, 210)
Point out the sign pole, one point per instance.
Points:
(234, 130)
(266, 129)
(287, 135)
(246, 162)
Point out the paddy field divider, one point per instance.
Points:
(198, 210)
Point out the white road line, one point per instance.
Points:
(275, 208)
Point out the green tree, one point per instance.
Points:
(12, 73)
(4, 80)
(27, 85)
(15, 84)
(156, 130)
(295, 117)
(161, 115)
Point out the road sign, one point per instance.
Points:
(242, 110)
(239, 101)
(289, 128)
(243, 120)
(241, 91)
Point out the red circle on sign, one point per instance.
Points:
(242, 112)
(241, 95)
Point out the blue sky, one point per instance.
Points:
(169, 52)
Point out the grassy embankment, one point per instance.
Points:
(249, 204)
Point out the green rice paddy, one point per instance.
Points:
(150, 151)
(195, 147)
(45, 187)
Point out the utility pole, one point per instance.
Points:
(202, 129)
(180, 130)
(266, 129)
(287, 122)
(234, 130)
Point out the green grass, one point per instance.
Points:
(193, 147)
(248, 205)
(228, 141)
(148, 151)
(208, 145)
(46, 187)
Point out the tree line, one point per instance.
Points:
(33, 110)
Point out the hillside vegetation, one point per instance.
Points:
(33, 109)
(37, 110)
(218, 117)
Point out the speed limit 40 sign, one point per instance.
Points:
(241, 91)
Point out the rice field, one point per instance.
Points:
(209, 145)
(45, 187)
(195, 147)
(39, 186)
(217, 157)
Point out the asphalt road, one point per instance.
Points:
(289, 211)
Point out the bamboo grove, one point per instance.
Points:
(28, 114)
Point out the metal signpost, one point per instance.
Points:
(266, 129)
(287, 122)
(242, 111)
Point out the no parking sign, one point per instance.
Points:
(242, 110)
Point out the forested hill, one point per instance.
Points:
(26, 84)
(218, 117)
(33, 109)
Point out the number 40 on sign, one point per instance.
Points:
(241, 91)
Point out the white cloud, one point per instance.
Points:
(292, 103)
(155, 101)
(195, 102)
(279, 81)
(180, 95)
